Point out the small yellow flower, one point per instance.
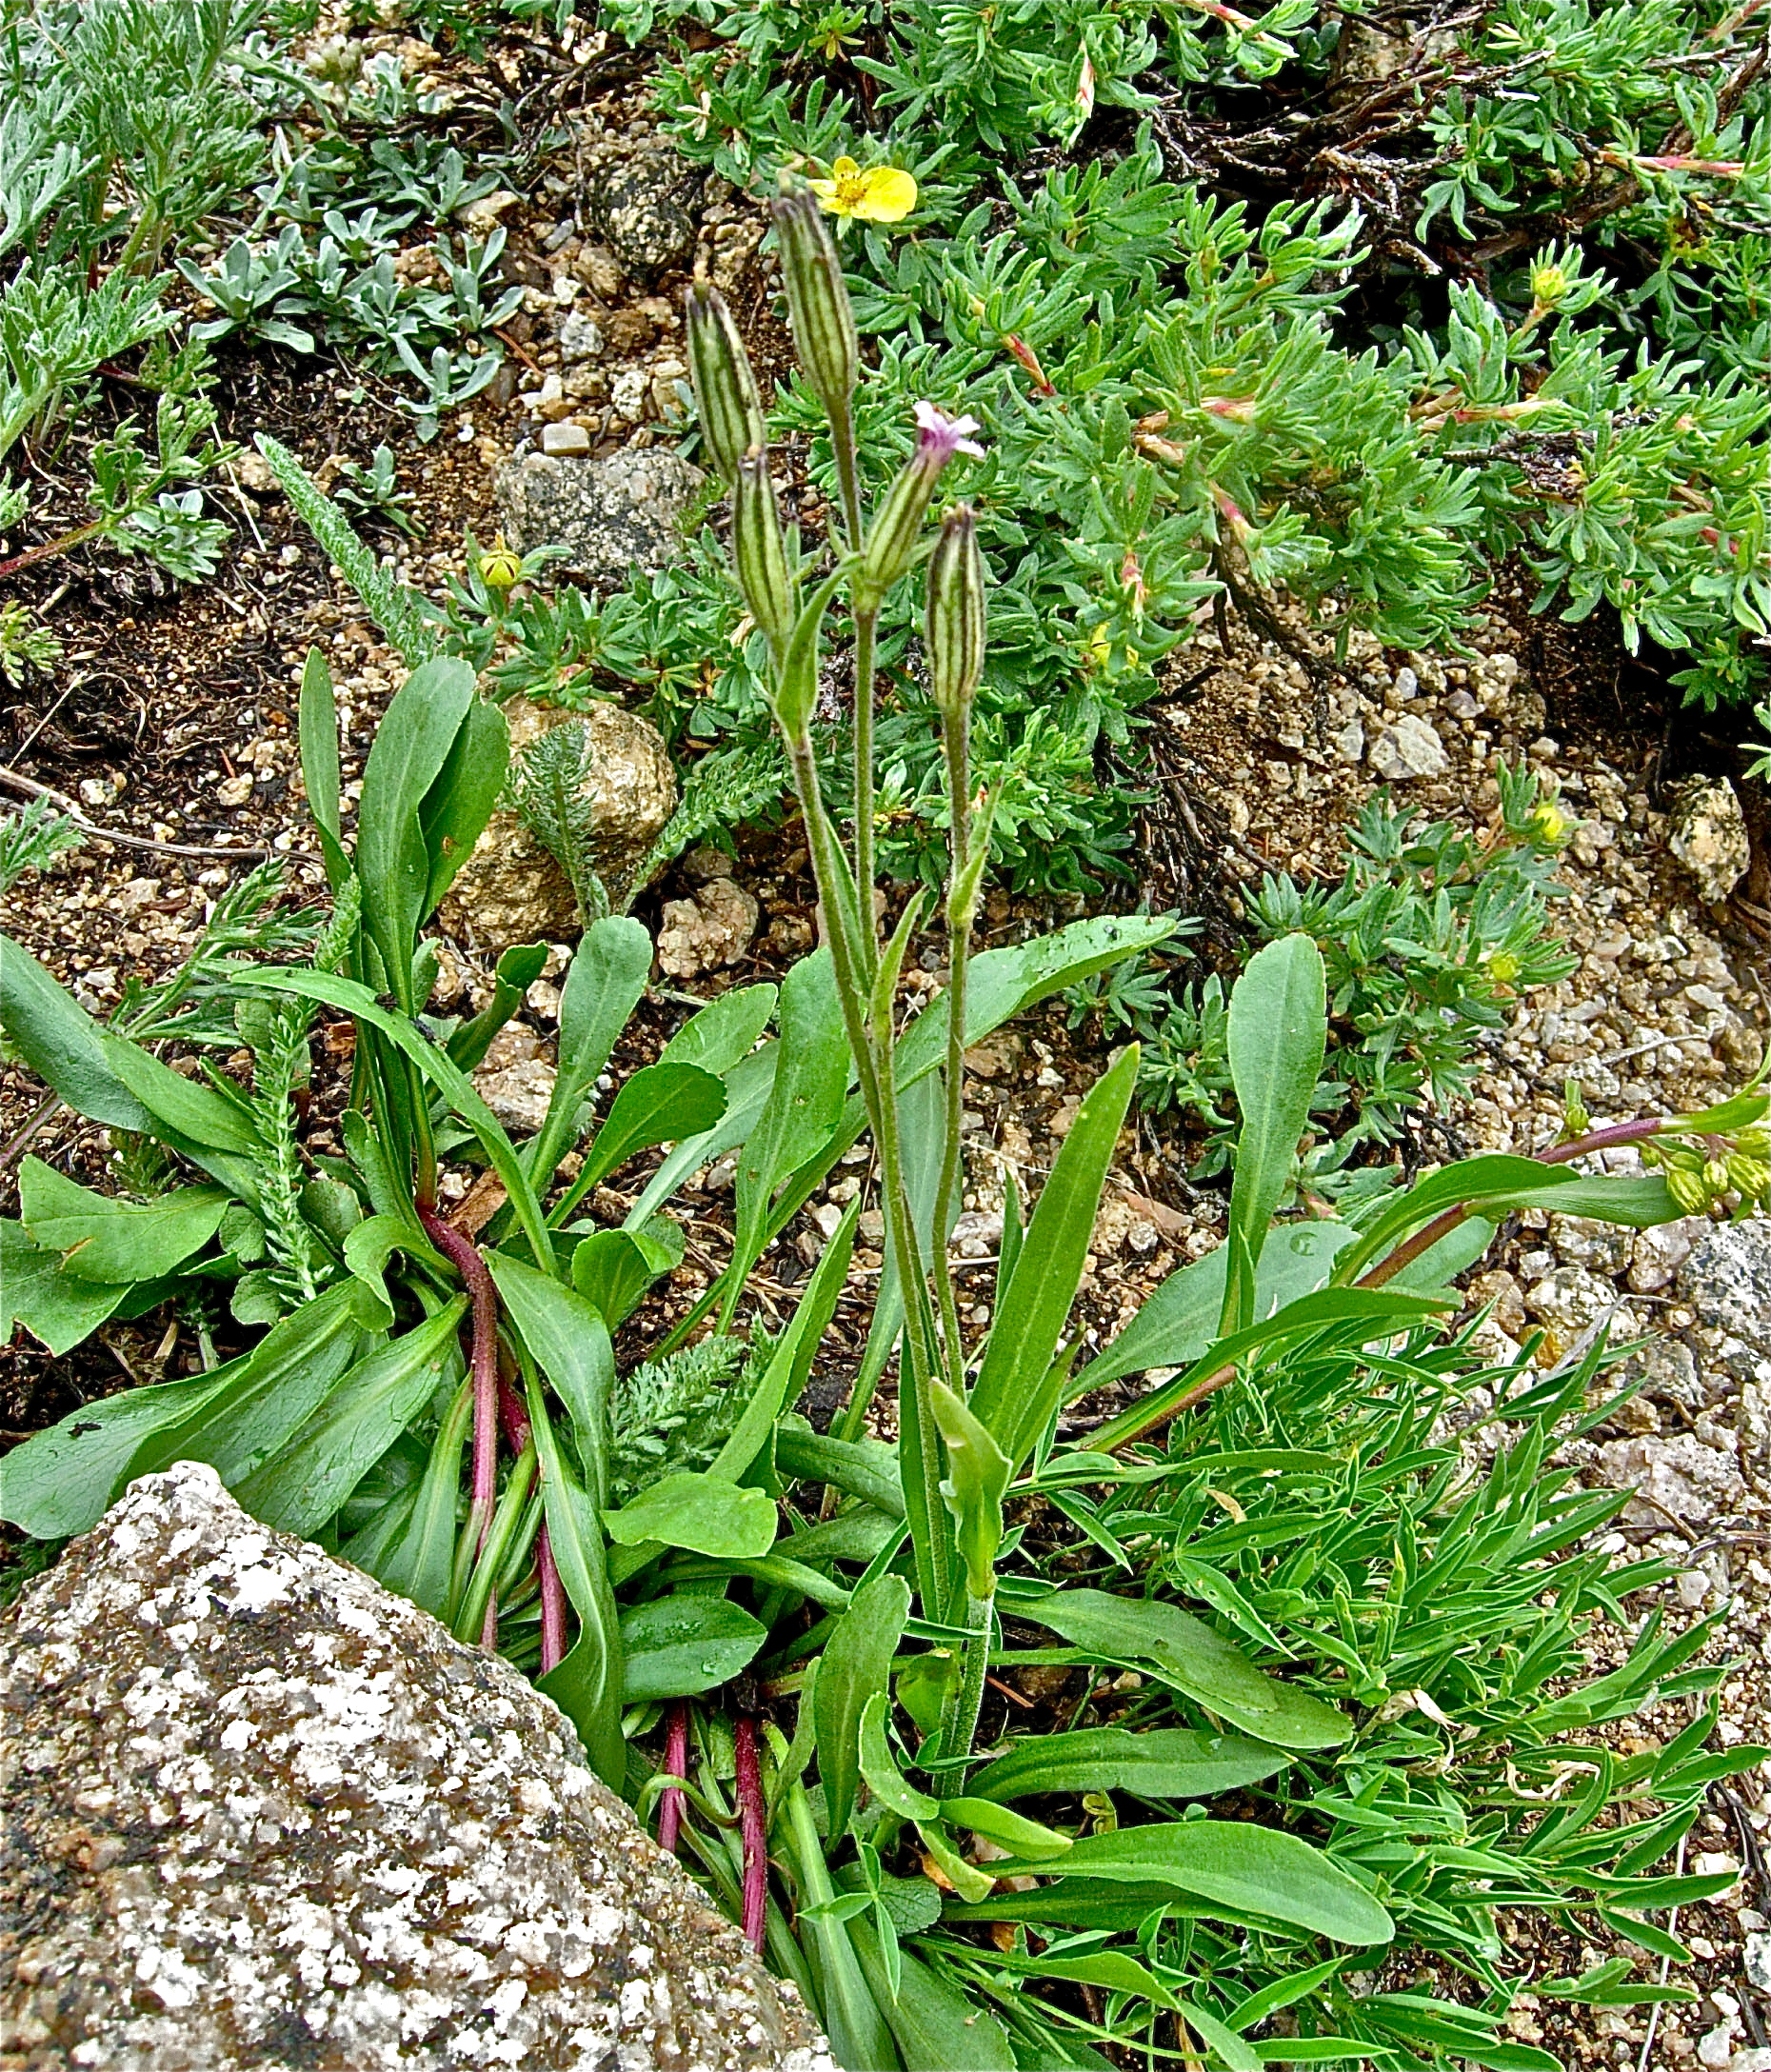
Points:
(882, 195)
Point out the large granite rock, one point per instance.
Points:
(257, 1811)
(511, 889)
(611, 515)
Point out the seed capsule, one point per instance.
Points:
(759, 553)
(953, 623)
(731, 408)
(823, 325)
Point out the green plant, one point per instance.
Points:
(1429, 940)
(1199, 393)
(32, 837)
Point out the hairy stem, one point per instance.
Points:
(676, 1764)
(955, 730)
(959, 1723)
(464, 1255)
(866, 626)
(879, 1097)
(753, 1825)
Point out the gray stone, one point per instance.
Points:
(1677, 1477)
(261, 1812)
(567, 437)
(518, 1094)
(713, 929)
(1726, 1280)
(1708, 836)
(611, 515)
(580, 338)
(642, 206)
(511, 889)
(1407, 747)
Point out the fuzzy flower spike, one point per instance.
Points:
(882, 195)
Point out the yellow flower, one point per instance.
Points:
(882, 195)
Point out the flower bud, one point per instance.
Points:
(500, 569)
(892, 538)
(1749, 1176)
(731, 408)
(953, 623)
(758, 552)
(823, 326)
(1549, 285)
(1688, 1190)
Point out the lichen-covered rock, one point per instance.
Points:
(260, 1812)
(511, 889)
(611, 515)
(1708, 836)
(640, 203)
(714, 928)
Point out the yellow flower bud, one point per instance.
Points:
(1549, 285)
(500, 567)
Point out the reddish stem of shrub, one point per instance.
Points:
(676, 1764)
(752, 1820)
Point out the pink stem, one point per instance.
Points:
(552, 1604)
(464, 1255)
(1559, 1154)
(753, 1825)
(676, 1764)
(515, 1418)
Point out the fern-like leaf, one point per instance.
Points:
(401, 613)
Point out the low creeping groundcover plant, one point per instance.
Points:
(1323, 1695)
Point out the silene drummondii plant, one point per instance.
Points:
(1324, 1687)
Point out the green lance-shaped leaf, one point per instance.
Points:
(1277, 1033)
(412, 745)
(1246, 1868)
(612, 1270)
(603, 984)
(307, 1482)
(103, 1239)
(419, 1561)
(697, 1514)
(1195, 1659)
(454, 811)
(679, 1645)
(937, 2028)
(1019, 1387)
(567, 1339)
(855, 1664)
(512, 976)
(1171, 1763)
(274, 1390)
(586, 1686)
(54, 1306)
(62, 1044)
(725, 1031)
(659, 1103)
(1180, 1322)
(317, 727)
(978, 1473)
